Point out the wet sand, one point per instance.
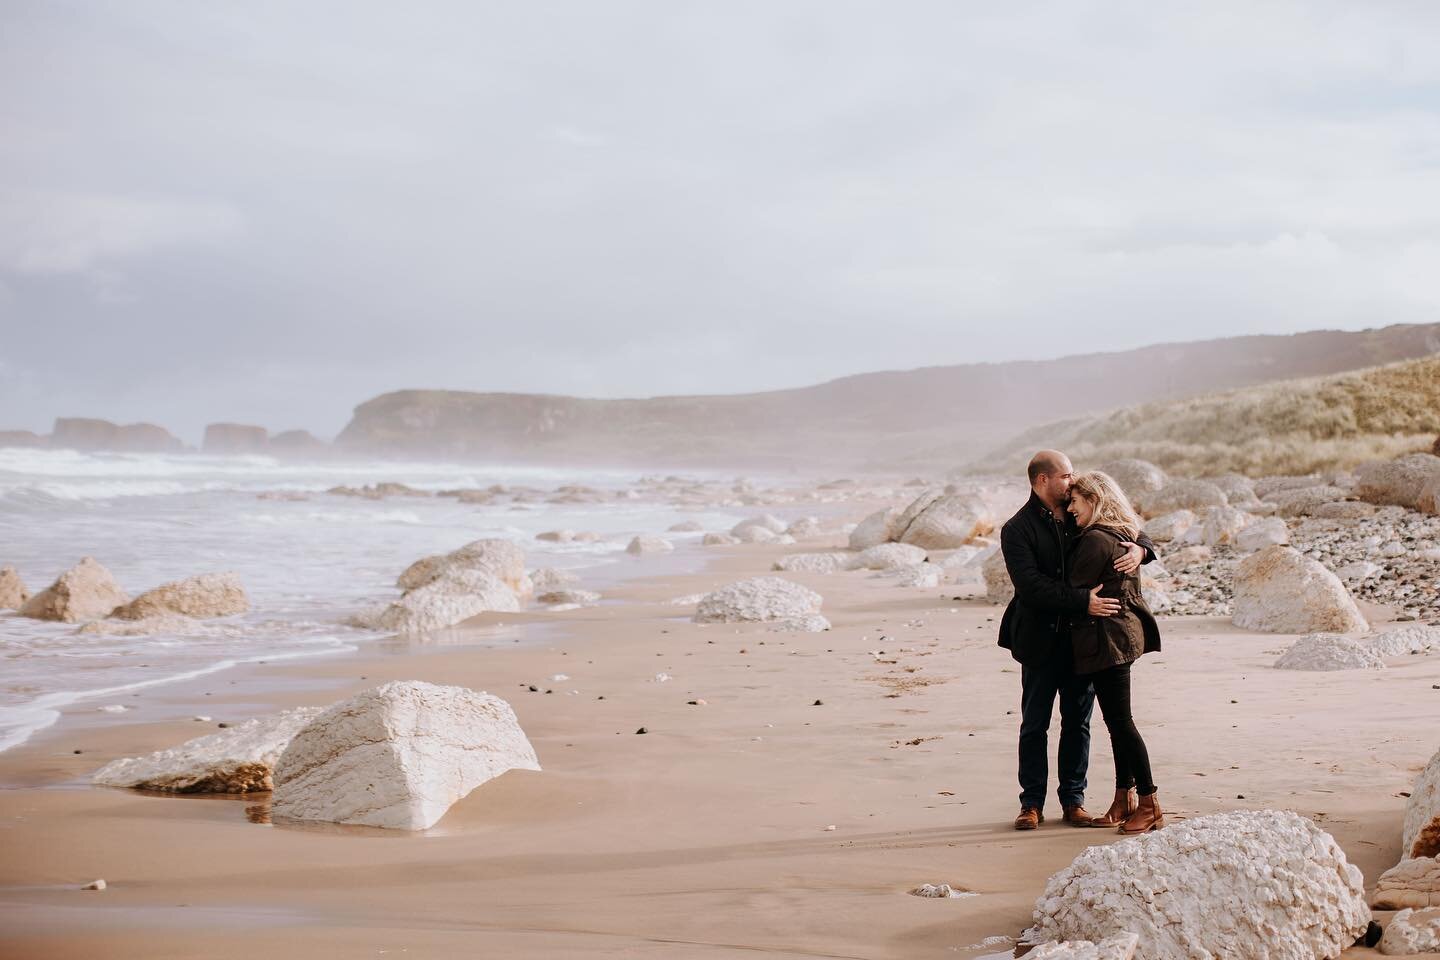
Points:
(706, 836)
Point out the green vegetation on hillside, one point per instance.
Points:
(1293, 426)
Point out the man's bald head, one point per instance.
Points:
(1050, 476)
(1050, 463)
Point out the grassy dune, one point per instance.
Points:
(1293, 426)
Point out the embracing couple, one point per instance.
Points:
(1076, 624)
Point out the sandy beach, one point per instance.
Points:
(710, 834)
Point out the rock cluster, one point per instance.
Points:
(238, 759)
(1421, 834)
(1275, 878)
(441, 591)
(86, 591)
(1279, 590)
(13, 592)
(398, 756)
(1412, 931)
(207, 595)
(1329, 651)
(763, 599)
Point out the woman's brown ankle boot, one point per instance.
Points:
(1125, 804)
(1146, 818)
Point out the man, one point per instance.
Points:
(1036, 631)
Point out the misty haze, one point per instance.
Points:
(846, 480)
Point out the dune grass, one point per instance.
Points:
(1292, 426)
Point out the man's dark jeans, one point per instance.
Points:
(1040, 684)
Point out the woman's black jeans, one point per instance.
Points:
(1132, 760)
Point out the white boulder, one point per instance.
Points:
(1329, 651)
(814, 562)
(1279, 590)
(1140, 479)
(1281, 885)
(238, 759)
(877, 528)
(1262, 533)
(502, 559)
(1413, 882)
(1412, 931)
(718, 540)
(207, 595)
(457, 594)
(888, 556)
(398, 756)
(1169, 526)
(756, 534)
(1421, 834)
(765, 521)
(1400, 481)
(998, 586)
(946, 522)
(1411, 638)
(1221, 525)
(646, 544)
(13, 593)
(926, 576)
(758, 599)
(1119, 947)
(86, 591)
(805, 527)
(546, 579)
(1185, 495)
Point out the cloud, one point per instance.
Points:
(59, 233)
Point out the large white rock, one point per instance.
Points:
(1140, 479)
(1262, 533)
(1169, 526)
(1421, 835)
(647, 544)
(888, 556)
(457, 594)
(1119, 947)
(877, 528)
(1411, 638)
(1400, 481)
(86, 591)
(1244, 884)
(1412, 931)
(1185, 495)
(203, 596)
(546, 579)
(1329, 651)
(998, 586)
(13, 593)
(1221, 525)
(1413, 882)
(502, 559)
(925, 576)
(1279, 590)
(398, 756)
(1305, 500)
(758, 599)
(238, 759)
(814, 562)
(948, 521)
(765, 521)
(755, 533)
(805, 527)
(718, 540)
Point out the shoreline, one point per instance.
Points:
(707, 836)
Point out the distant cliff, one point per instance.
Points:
(935, 416)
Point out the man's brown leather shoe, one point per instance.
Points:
(1029, 819)
(1077, 817)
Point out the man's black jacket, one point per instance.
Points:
(1036, 549)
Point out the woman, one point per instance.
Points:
(1105, 647)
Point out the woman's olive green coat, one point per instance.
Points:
(1101, 642)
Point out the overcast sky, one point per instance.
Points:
(269, 212)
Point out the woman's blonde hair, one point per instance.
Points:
(1112, 507)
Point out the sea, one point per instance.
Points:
(306, 563)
